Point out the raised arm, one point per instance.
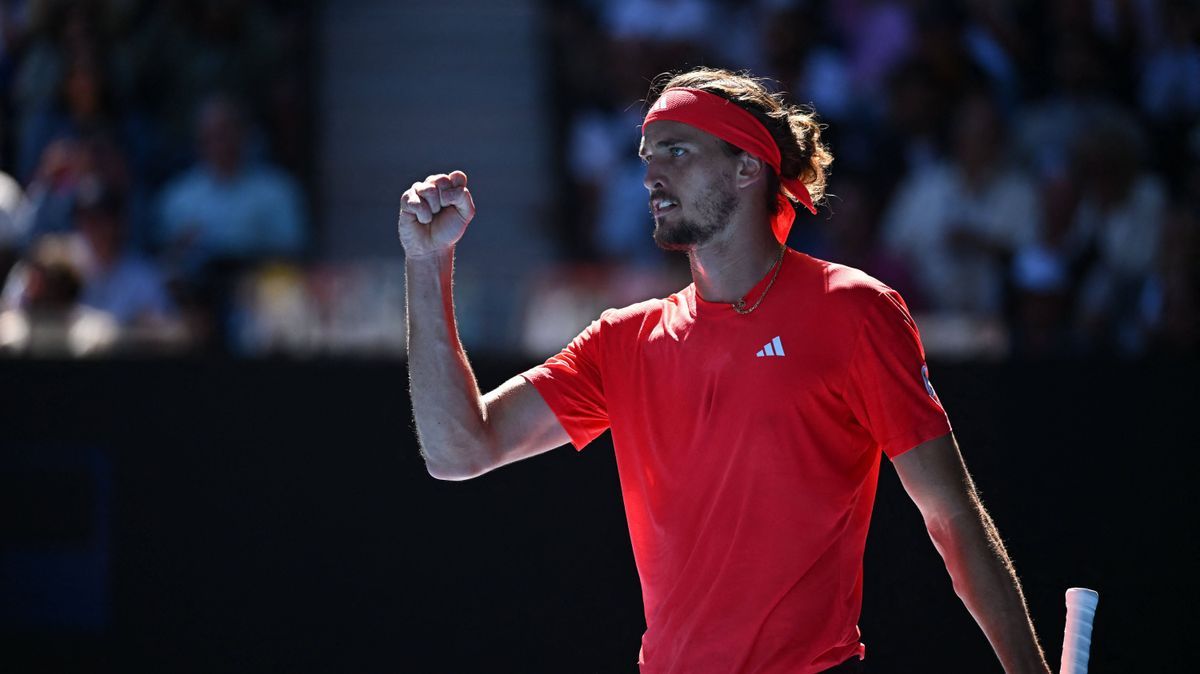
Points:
(936, 479)
(462, 433)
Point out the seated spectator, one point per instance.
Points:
(225, 209)
(54, 33)
(957, 222)
(911, 134)
(184, 51)
(1046, 129)
(850, 236)
(65, 165)
(1115, 234)
(117, 280)
(52, 190)
(84, 107)
(1042, 282)
(40, 312)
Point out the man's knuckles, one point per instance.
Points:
(419, 208)
(429, 194)
(451, 195)
(459, 198)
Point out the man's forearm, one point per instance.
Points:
(985, 580)
(446, 400)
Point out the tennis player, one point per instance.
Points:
(748, 411)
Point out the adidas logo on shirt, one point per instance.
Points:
(772, 348)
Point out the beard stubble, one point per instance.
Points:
(713, 212)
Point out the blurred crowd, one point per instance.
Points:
(1026, 173)
(150, 152)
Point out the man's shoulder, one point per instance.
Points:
(639, 312)
(635, 321)
(853, 299)
(843, 283)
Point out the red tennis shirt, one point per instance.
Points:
(748, 450)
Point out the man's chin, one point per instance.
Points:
(675, 237)
(669, 238)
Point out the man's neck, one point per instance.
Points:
(727, 267)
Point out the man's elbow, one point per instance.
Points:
(449, 473)
(450, 469)
(947, 527)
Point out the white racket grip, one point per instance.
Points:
(1077, 637)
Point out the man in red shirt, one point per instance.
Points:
(749, 411)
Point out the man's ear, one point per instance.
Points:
(750, 170)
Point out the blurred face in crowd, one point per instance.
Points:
(977, 133)
(221, 136)
(690, 176)
(81, 90)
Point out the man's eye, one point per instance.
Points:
(677, 151)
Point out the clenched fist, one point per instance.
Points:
(434, 214)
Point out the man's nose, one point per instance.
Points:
(653, 176)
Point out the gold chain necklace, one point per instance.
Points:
(740, 305)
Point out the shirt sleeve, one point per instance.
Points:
(572, 384)
(283, 230)
(889, 390)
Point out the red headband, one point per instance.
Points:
(732, 123)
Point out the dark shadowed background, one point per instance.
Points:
(207, 460)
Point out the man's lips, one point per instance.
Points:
(662, 204)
